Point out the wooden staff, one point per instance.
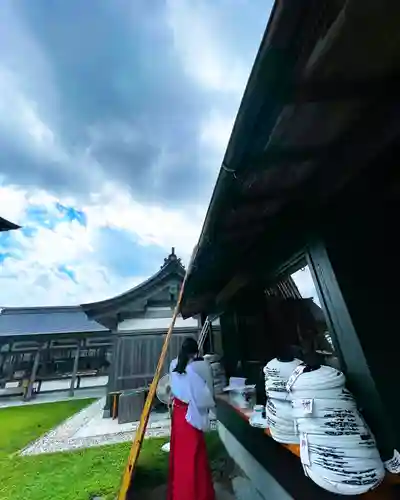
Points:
(144, 418)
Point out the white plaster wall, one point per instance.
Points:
(165, 309)
(155, 324)
(259, 484)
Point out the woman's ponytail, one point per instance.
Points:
(188, 350)
(183, 360)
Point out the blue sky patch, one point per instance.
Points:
(63, 269)
(4, 256)
(40, 215)
(7, 240)
(28, 231)
(71, 214)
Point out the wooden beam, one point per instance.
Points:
(241, 234)
(234, 285)
(278, 155)
(328, 90)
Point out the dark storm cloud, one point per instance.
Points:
(26, 167)
(123, 108)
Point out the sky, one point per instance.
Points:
(114, 119)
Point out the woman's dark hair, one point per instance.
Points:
(189, 349)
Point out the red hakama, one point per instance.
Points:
(189, 471)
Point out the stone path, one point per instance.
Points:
(84, 431)
(88, 428)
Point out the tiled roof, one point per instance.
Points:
(46, 320)
(24, 321)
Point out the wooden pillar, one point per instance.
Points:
(28, 394)
(107, 410)
(75, 370)
(361, 327)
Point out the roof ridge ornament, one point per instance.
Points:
(172, 257)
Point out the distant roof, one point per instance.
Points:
(25, 321)
(6, 225)
(20, 321)
(172, 267)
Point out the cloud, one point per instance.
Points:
(123, 94)
(67, 254)
(215, 40)
(215, 132)
(114, 118)
(197, 42)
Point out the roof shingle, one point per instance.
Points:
(46, 320)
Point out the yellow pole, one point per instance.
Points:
(144, 418)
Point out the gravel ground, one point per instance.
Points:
(66, 437)
(62, 437)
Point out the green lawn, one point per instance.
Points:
(21, 425)
(78, 475)
(75, 475)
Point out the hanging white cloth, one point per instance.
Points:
(337, 449)
(192, 389)
(279, 409)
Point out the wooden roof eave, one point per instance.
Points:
(105, 311)
(6, 225)
(334, 55)
(281, 32)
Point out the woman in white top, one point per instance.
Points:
(191, 386)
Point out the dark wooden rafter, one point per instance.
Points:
(281, 156)
(241, 234)
(380, 88)
(235, 284)
(251, 209)
(378, 127)
(248, 213)
(262, 190)
(6, 225)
